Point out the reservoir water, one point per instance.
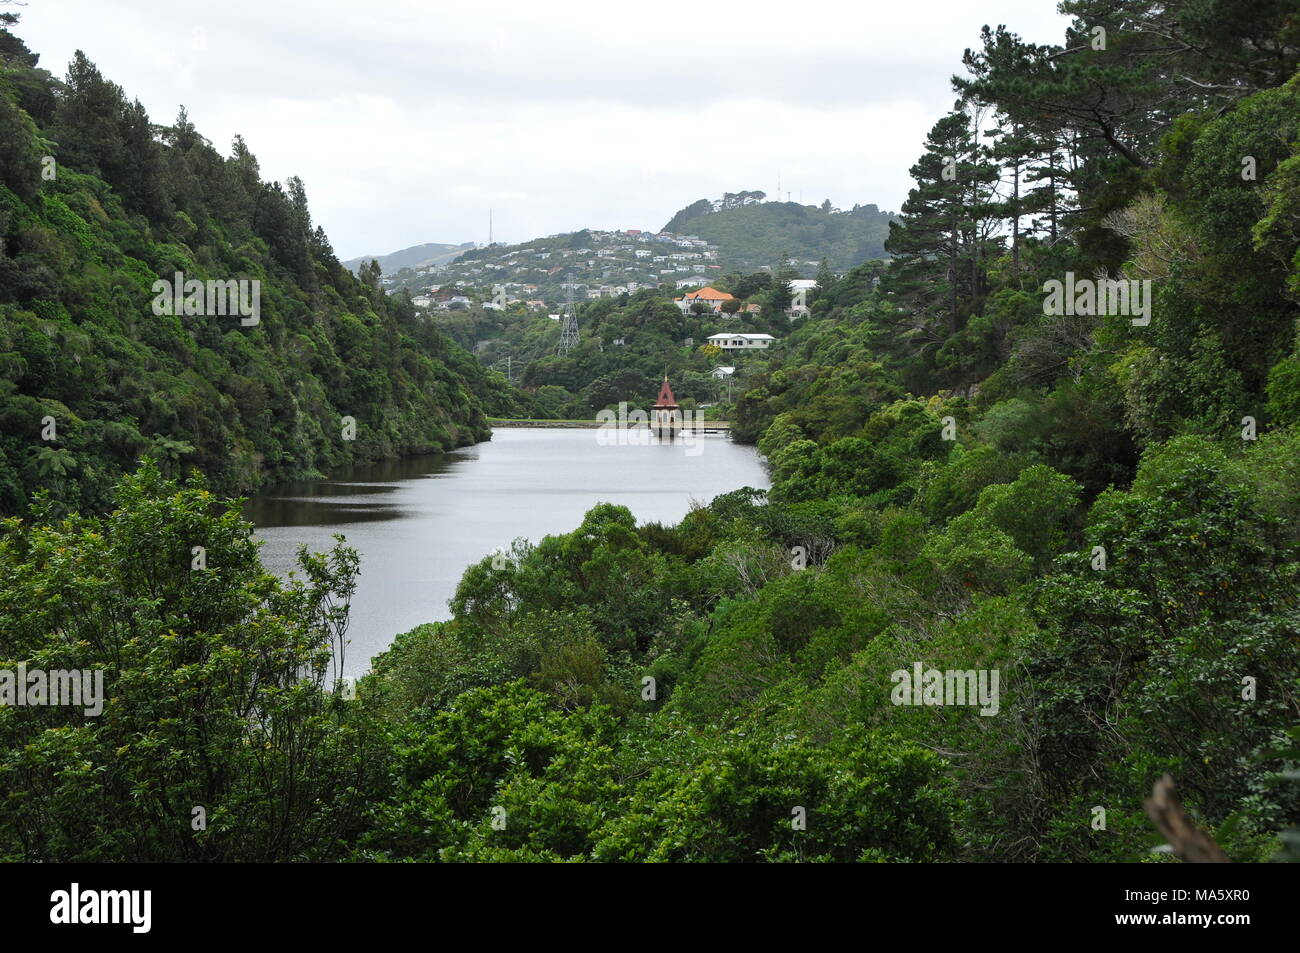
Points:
(419, 522)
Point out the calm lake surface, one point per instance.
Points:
(419, 522)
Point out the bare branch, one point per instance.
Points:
(1189, 842)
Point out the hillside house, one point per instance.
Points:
(741, 342)
(711, 298)
(800, 289)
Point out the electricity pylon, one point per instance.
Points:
(568, 326)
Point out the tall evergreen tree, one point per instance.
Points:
(941, 242)
(781, 294)
(825, 278)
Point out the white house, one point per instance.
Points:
(741, 342)
(799, 289)
(721, 372)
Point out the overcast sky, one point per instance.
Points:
(409, 120)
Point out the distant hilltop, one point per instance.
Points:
(417, 256)
(543, 268)
(741, 232)
(752, 232)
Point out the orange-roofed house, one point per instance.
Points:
(708, 296)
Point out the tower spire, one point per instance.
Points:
(665, 415)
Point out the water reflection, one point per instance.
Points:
(419, 522)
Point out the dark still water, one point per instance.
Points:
(419, 522)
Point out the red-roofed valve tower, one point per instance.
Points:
(665, 415)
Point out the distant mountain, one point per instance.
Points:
(741, 232)
(417, 256)
(752, 233)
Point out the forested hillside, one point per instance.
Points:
(752, 234)
(1098, 505)
(96, 204)
(626, 344)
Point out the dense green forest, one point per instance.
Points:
(1103, 511)
(96, 204)
(753, 234)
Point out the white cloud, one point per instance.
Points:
(408, 122)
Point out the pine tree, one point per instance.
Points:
(781, 294)
(940, 245)
(88, 120)
(825, 278)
